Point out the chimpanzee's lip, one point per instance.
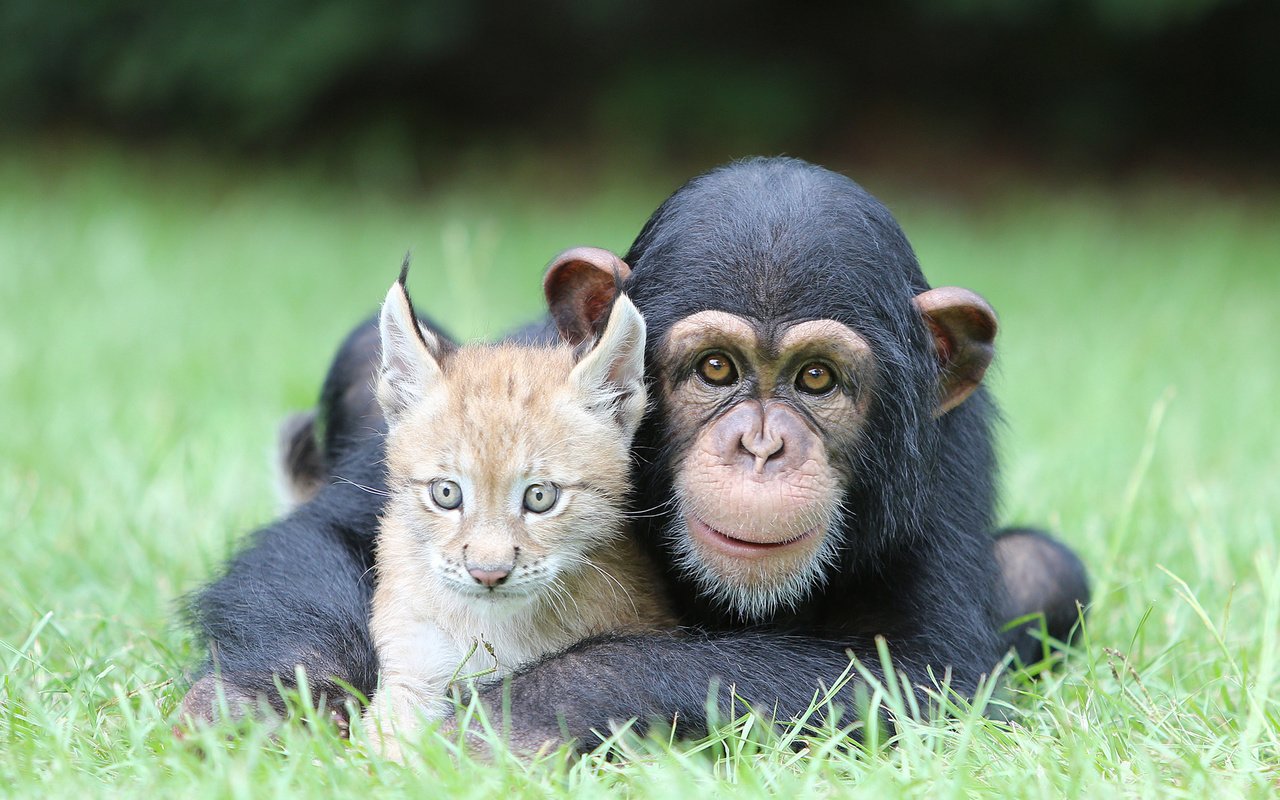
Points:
(738, 546)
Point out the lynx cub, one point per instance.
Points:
(503, 537)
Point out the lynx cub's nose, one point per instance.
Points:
(489, 576)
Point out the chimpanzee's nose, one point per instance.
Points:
(765, 438)
(762, 445)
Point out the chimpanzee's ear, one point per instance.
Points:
(580, 286)
(411, 353)
(964, 329)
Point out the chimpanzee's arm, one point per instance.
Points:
(298, 594)
(668, 677)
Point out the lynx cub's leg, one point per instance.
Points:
(395, 715)
(417, 662)
(398, 712)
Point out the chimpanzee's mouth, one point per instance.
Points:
(735, 545)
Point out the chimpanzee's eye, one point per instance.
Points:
(717, 369)
(540, 497)
(815, 378)
(446, 494)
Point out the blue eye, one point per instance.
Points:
(446, 494)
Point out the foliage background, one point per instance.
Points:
(1083, 79)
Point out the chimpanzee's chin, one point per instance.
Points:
(753, 582)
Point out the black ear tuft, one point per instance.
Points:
(440, 346)
(404, 270)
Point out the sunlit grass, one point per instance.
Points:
(159, 317)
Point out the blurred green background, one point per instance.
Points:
(197, 200)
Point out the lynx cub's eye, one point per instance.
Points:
(717, 369)
(446, 494)
(815, 378)
(540, 497)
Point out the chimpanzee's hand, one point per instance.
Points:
(203, 705)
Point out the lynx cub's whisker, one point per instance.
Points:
(504, 536)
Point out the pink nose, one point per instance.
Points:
(489, 577)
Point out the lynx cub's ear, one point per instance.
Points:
(410, 353)
(611, 375)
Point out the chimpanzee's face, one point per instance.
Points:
(766, 423)
(757, 414)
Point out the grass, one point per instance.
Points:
(159, 316)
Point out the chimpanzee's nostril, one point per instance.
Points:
(761, 446)
(752, 434)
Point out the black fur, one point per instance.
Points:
(780, 241)
(1042, 578)
(299, 590)
(348, 411)
(299, 593)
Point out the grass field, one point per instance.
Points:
(158, 317)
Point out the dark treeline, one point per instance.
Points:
(1099, 79)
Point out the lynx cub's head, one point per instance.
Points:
(506, 464)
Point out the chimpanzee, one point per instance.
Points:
(817, 471)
